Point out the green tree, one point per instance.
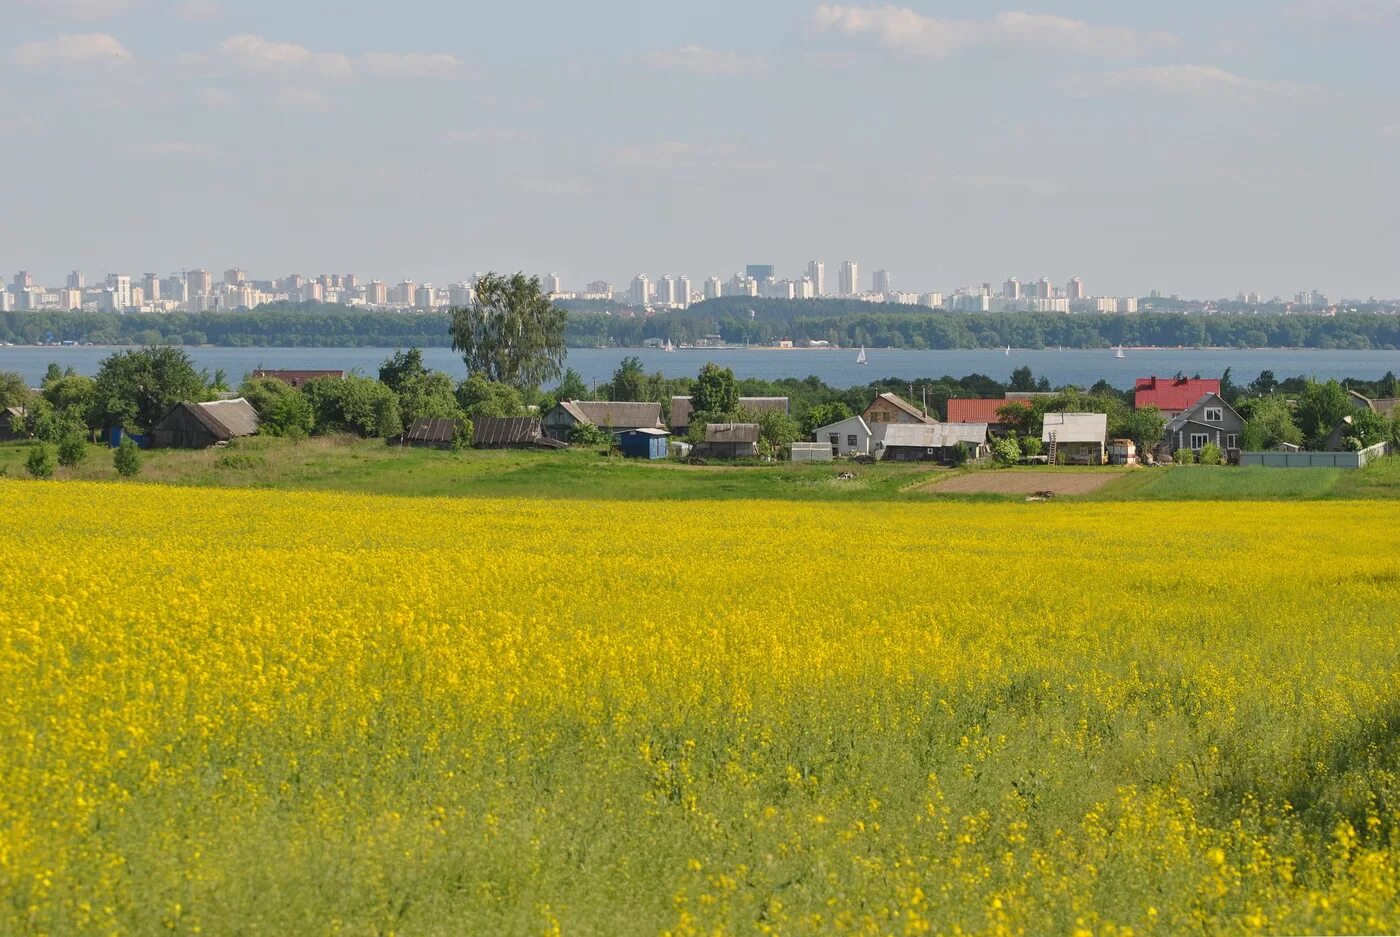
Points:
(400, 367)
(715, 391)
(429, 395)
(354, 404)
(1184, 456)
(42, 461)
(72, 394)
(1006, 451)
(571, 387)
(52, 373)
(1268, 423)
(824, 414)
(512, 333)
(1320, 409)
(1263, 385)
(479, 397)
(263, 394)
(588, 435)
(463, 434)
(775, 427)
(629, 381)
(1020, 418)
(14, 389)
(137, 388)
(127, 458)
(1023, 379)
(290, 416)
(1367, 429)
(1144, 427)
(72, 450)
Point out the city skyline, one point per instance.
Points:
(1182, 146)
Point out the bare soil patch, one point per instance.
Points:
(1021, 483)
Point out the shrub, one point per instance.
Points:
(961, 453)
(72, 450)
(1184, 457)
(1211, 454)
(1033, 446)
(1006, 452)
(462, 435)
(290, 415)
(42, 461)
(586, 434)
(127, 458)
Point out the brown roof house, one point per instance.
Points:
(729, 441)
(297, 378)
(891, 408)
(428, 433)
(608, 415)
(511, 432)
(8, 417)
(683, 407)
(201, 425)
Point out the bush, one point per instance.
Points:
(290, 415)
(961, 453)
(462, 435)
(1184, 457)
(1033, 446)
(586, 434)
(1006, 452)
(72, 450)
(127, 458)
(1211, 454)
(42, 461)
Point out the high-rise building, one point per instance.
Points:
(70, 299)
(236, 277)
(351, 282)
(1128, 305)
(76, 280)
(760, 273)
(931, 300)
(461, 295)
(849, 284)
(22, 281)
(552, 284)
(882, 282)
(666, 291)
(1044, 289)
(686, 292)
(425, 297)
(599, 288)
(327, 282)
(201, 281)
(806, 288)
(403, 294)
(714, 288)
(639, 294)
(376, 293)
(150, 287)
(816, 272)
(177, 288)
(120, 287)
(1075, 290)
(7, 300)
(1011, 289)
(741, 285)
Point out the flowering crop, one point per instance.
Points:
(304, 713)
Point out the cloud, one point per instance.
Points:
(84, 9)
(904, 30)
(83, 48)
(285, 60)
(411, 65)
(694, 58)
(1203, 81)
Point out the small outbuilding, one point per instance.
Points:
(683, 407)
(930, 442)
(729, 441)
(428, 433)
(9, 418)
(201, 425)
(1076, 438)
(513, 432)
(644, 443)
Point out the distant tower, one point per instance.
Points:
(882, 282)
(552, 284)
(1011, 289)
(849, 284)
(816, 272)
(640, 292)
(76, 280)
(1075, 289)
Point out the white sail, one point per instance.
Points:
(1008, 351)
(861, 358)
(1119, 353)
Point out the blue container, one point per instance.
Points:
(644, 444)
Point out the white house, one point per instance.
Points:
(848, 437)
(1076, 438)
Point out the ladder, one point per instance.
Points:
(1054, 447)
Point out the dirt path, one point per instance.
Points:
(1021, 483)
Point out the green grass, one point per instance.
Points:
(369, 466)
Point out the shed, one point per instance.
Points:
(729, 441)
(297, 378)
(616, 417)
(513, 432)
(683, 407)
(930, 442)
(851, 437)
(1076, 438)
(201, 425)
(8, 417)
(429, 433)
(811, 452)
(644, 443)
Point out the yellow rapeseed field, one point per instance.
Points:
(281, 713)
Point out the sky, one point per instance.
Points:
(1194, 147)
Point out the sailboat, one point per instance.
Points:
(1008, 351)
(860, 359)
(669, 348)
(1119, 352)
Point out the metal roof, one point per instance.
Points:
(505, 431)
(1186, 415)
(1172, 394)
(979, 410)
(431, 430)
(648, 431)
(225, 419)
(1076, 427)
(732, 432)
(931, 435)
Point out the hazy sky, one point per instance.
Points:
(1192, 146)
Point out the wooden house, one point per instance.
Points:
(930, 442)
(9, 418)
(1076, 438)
(683, 407)
(201, 425)
(612, 416)
(428, 433)
(1209, 420)
(729, 441)
(514, 432)
(891, 408)
(847, 438)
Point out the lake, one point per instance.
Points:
(836, 367)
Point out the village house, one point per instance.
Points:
(1210, 420)
(891, 408)
(729, 441)
(981, 411)
(847, 438)
(297, 378)
(683, 407)
(613, 417)
(1076, 438)
(511, 432)
(1385, 406)
(201, 425)
(9, 416)
(1173, 396)
(930, 442)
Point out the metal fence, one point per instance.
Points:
(1342, 460)
(811, 452)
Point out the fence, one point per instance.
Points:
(811, 452)
(1342, 460)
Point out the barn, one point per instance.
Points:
(729, 441)
(930, 442)
(514, 432)
(201, 425)
(426, 433)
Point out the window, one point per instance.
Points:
(1198, 440)
(1215, 415)
(1232, 441)
(851, 441)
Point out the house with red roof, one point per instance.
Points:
(980, 410)
(1173, 396)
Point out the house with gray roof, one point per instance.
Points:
(611, 416)
(929, 442)
(683, 407)
(1209, 420)
(1076, 438)
(729, 441)
(201, 425)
